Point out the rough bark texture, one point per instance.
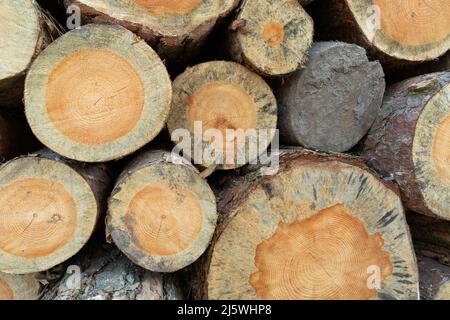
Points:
(334, 20)
(390, 143)
(41, 34)
(431, 237)
(238, 194)
(161, 213)
(108, 274)
(434, 279)
(332, 103)
(177, 48)
(273, 38)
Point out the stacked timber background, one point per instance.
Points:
(93, 205)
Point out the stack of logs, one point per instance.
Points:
(95, 205)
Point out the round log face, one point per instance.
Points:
(317, 230)
(431, 153)
(6, 292)
(48, 212)
(226, 97)
(168, 18)
(276, 37)
(162, 216)
(413, 30)
(18, 44)
(97, 100)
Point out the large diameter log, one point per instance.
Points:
(331, 103)
(176, 29)
(161, 213)
(15, 137)
(97, 93)
(271, 37)
(323, 227)
(434, 279)
(107, 274)
(397, 32)
(20, 45)
(410, 142)
(19, 287)
(48, 210)
(222, 96)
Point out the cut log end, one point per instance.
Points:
(162, 215)
(319, 229)
(274, 38)
(48, 212)
(411, 141)
(221, 96)
(19, 287)
(98, 100)
(332, 103)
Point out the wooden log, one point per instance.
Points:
(221, 96)
(396, 32)
(431, 237)
(271, 37)
(161, 213)
(19, 287)
(304, 3)
(48, 210)
(410, 142)
(97, 93)
(20, 46)
(323, 227)
(15, 137)
(176, 29)
(107, 274)
(332, 103)
(434, 279)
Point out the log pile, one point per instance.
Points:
(141, 159)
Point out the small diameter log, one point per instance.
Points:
(220, 104)
(410, 142)
(332, 103)
(25, 30)
(107, 274)
(323, 227)
(434, 279)
(161, 213)
(97, 93)
(48, 210)
(15, 138)
(19, 287)
(271, 37)
(176, 29)
(431, 237)
(398, 33)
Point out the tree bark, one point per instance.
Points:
(434, 279)
(410, 142)
(20, 46)
(107, 274)
(175, 29)
(272, 38)
(92, 99)
(332, 103)
(47, 197)
(161, 213)
(319, 217)
(389, 30)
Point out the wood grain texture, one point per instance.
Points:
(92, 99)
(19, 287)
